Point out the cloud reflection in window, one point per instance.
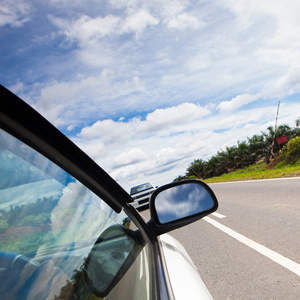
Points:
(182, 201)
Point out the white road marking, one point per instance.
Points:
(278, 258)
(218, 215)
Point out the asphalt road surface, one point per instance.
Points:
(250, 249)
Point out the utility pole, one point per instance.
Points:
(272, 151)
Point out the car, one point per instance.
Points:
(69, 231)
(141, 195)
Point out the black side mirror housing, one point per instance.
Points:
(180, 203)
(110, 258)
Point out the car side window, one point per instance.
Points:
(51, 230)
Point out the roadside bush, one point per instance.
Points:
(3, 226)
(35, 220)
(291, 152)
(192, 177)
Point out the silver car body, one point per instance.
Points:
(185, 279)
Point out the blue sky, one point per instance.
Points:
(146, 87)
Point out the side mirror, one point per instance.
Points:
(180, 203)
(110, 258)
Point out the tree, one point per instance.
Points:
(197, 168)
(257, 149)
(180, 178)
(243, 154)
(211, 167)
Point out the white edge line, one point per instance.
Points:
(218, 215)
(276, 257)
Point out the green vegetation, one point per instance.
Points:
(35, 220)
(291, 152)
(26, 244)
(3, 226)
(260, 170)
(23, 228)
(19, 215)
(258, 157)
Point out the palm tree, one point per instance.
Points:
(197, 168)
(211, 167)
(222, 163)
(243, 157)
(180, 178)
(256, 148)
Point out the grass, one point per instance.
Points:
(259, 171)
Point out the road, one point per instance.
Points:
(251, 250)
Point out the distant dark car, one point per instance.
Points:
(141, 195)
(69, 231)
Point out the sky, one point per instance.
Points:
(146, 87)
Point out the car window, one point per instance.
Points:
(49, 223)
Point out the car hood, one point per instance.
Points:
(184, 277)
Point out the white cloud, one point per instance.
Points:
(237, 102)
(285, 85)
(17, 88)
(14, 12)
(87, 29)
(280, 24)
(198, 66)
(133, 156)
(185, 21)
(170, 9)
(170, 119)
(166, 156)
(293, 79)
(173, 116)
(85, 97)
(108, 130)
(138, 22)
(147, 145)
(124, 4)
(76, 212)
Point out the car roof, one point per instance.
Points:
(141, 184)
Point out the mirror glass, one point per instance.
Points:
(110, 258)
(182, 201)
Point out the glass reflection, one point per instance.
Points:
(182, 201)
(49, 223)
(106, 263)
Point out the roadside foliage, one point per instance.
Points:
(258, 148)
(291, 151)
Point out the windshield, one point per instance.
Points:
(141, 188)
